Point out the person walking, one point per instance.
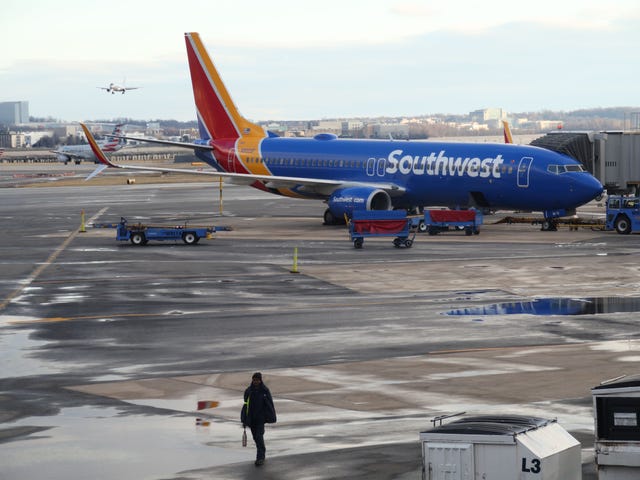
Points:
(257, 410)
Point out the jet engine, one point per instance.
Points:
(346, 200)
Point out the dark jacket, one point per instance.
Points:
(258, 407)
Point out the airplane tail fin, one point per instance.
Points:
(114, 142)
(218, 117)
(97, 151)
(507, 132)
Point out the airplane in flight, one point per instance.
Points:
(352, 174)
(113, 88)
(78, 153)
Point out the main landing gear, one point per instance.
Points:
(549, 225)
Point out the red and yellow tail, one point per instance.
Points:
(507, 132)
(217, 114)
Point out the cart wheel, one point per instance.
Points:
(433, 230)
(422, 227)
(408, 243)
(397, 242)
(138, 239)
(468, 231)
(190, 238)
(357, 243)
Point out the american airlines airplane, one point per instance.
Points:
(358, 174)
(113, 88)
(78, 153)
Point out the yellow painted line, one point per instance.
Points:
(41, 268)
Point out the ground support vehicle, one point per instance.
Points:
(140, 234)
(382, 223)
(623, 214)
(436, 221)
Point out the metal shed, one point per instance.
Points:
(616, 405)
(509, 447)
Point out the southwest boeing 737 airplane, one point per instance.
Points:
(353, 174)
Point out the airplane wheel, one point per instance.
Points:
(623, 226)
(190, 238)
(138, 239)
(549, 226)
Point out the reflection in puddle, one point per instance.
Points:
(556, 306)
(103, 444)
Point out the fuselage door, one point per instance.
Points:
(523, 171)
(371, 167)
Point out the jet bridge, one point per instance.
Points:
(578, 145)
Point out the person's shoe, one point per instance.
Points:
(259, 462)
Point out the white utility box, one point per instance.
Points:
(616, 405)
(509, 447)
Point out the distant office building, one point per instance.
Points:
(388, 130)
(14, 113)
(487, 114)
(153, 129)
(13, 140)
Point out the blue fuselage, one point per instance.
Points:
(431, 173)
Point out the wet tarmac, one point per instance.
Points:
(107, 347)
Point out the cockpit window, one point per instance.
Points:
(558, 169)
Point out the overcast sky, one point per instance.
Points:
(290, 60)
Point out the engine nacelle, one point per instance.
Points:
(346, 200)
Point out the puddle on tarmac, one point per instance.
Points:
(113, 445)
(555, 306)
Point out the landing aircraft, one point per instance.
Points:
(113, 88)
(358, 174)
(78, 153)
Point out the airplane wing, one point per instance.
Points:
(303, 184)
(131, 88)
(104, 88)
(164, 142)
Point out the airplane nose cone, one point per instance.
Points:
(587, 189)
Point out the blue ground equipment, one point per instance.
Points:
(140, 234)
(623, 214)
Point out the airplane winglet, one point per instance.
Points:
(97, 151)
